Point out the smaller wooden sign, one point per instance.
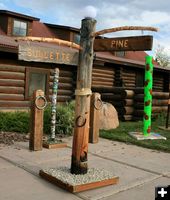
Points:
(137, 43)
(57, 54)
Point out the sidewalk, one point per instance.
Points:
(139, 170)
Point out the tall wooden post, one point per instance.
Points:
(36, 133)
(79, 163)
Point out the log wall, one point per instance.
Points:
(12, 86)
(128, 78)
(103, 76)
(67, 84)
(159, 103)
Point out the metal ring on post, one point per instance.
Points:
(101, 104)
(77, 119)
(45, 102)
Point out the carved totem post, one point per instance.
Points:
(83, 92)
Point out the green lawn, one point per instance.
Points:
(121, 134)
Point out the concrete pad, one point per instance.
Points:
(4, 164)
(20, 153)
(143, 158)
(142, 192)
(17, 184)
(129, 177)
(151, 136)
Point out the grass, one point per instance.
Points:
(121, 134)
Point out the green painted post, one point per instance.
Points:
(148, 96)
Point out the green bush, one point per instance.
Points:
(14, 122)
(64, 119)
(20, 121)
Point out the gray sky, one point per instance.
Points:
(110, 13)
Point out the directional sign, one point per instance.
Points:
(138, 43)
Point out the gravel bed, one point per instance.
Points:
(93, 175)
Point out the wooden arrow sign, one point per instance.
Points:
(138, 43)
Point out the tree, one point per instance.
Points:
(161, 56)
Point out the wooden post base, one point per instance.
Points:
(54, 146)
(77, 187)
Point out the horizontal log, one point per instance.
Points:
(128, 93)
(11, 90)
(126, 117)
(103, 68)
(158, 95)
(63, 92)
(101, 71)
(10, 82)
(62, 98)
(102, 83)
(63, 86)
(123, 102)
(138, 113)
(111, 97)
(15, 104)
(161, 95)
(17, 97)
(94, 74)
(159, 108)
(129, 84)
(12, 68)
(125, 110)
(63, 79)
(124, 76)
(139, 90)
(159, 102)
(102, 79)
(62, 73)
(13, 75)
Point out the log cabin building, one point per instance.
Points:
(118, 76)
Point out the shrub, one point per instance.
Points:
(20, 121)
(14, 122)
(64, 119)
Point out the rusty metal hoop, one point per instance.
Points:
(45, 102)
(101, 103)
(77, 119)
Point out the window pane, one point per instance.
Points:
(37, 81)
(23, 25)
(20, 28)
(16, 24)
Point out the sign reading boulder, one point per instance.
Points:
(57, 54)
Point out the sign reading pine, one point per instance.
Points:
(137, 43)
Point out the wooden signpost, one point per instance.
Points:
(42, 53)
(137, 43)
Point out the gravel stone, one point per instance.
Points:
(93, 175)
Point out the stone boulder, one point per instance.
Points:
(108, 117)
